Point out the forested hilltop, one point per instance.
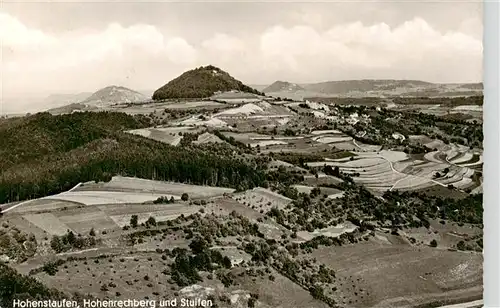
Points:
(201, 82)
(42, 155)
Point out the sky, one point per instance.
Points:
(69, 47)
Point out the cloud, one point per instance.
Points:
(32, 53)
(142, 56)
(410, 50)
(411, 44)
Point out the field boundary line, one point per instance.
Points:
(28, 201)
(76, 186)
(19, 204)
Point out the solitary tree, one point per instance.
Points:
(151, 221)
(56, 244)
(134, 220)
(434, 243)
(185, 197)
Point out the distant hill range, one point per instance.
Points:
(283, 86)
(201, 82)
(113, 95)
(54, 100)
(367, 87)
(103, 98)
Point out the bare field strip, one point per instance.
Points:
(332, 140)
(160, 187)
(356, 163)
(190, 105)
(207, 138)
(40, 205)
(367, 148)
(323, 190)
(129, 209)
(392, 156)
(197, 121)
(91, 213)
(427, 170)
(303, 188)
(474, 158)
(164, 215)
(478, 190)
(106, 197)
(262, 198)
(267, 143)
(395, 170)
(48, 222)
(322, 179)
(169, 135)
(98, 224)
(324, 132)
(411, 182)
(465, 157)
(333, 232)
(468, 296)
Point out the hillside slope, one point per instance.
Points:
(279, 86)
(201, 82)
(43, 155)
(369, 87)
(113, 95)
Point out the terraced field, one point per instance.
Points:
(262, 199)
(388, 170)
(169, 135)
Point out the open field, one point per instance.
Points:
(47, 222)
(45, 205)
(169, 135)
(262, 199)
(89, 197)
(129, 184)
(335, 231)
(207, 138)
(141, 275)
(100, 217)
(148, 108)
(406, 270)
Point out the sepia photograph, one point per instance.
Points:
(241, 154)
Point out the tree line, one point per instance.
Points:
(50, 154)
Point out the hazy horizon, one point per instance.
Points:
(57, 48)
